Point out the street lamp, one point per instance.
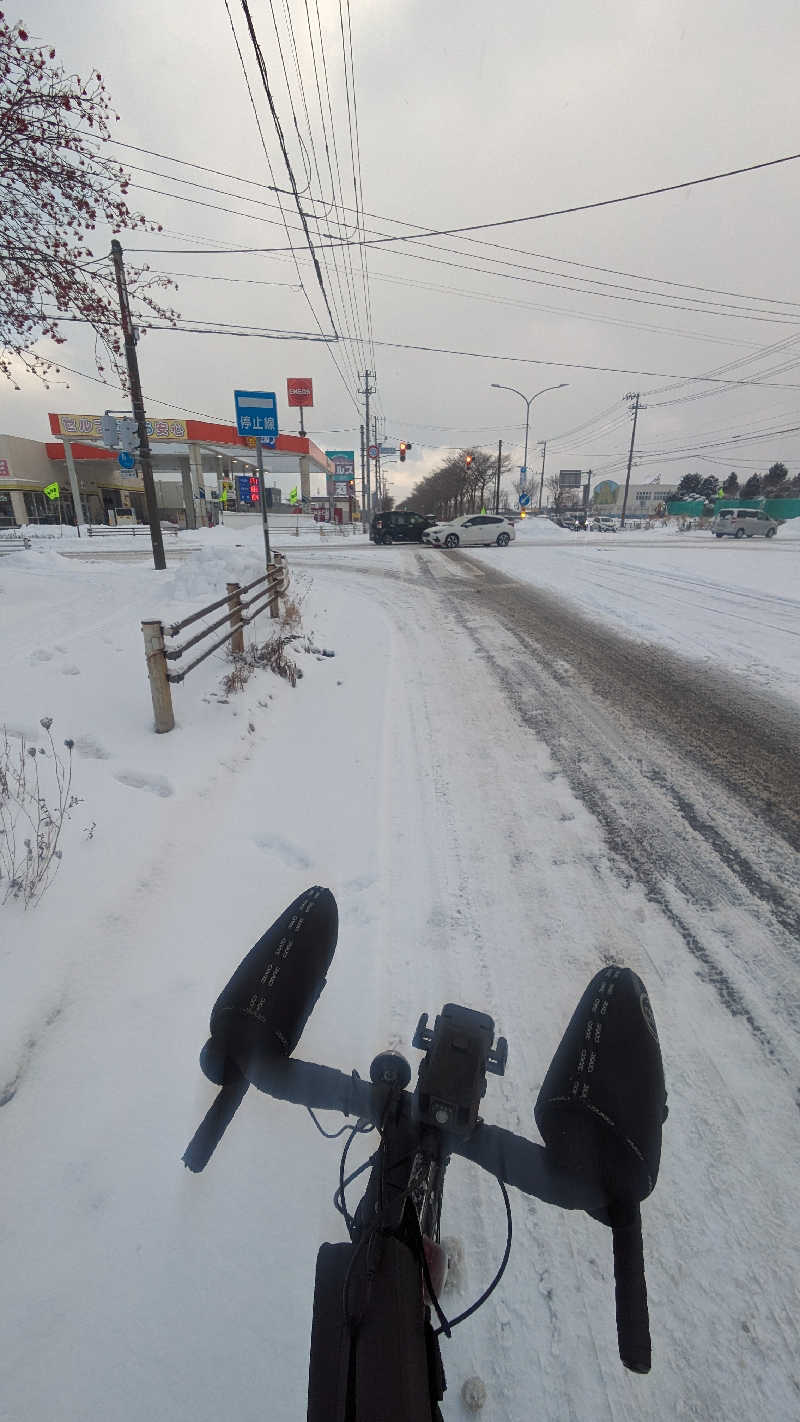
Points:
(528, 403)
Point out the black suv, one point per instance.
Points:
(399, 526)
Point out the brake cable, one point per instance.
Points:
(446, 1325)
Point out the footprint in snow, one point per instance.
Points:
(291, 854)
(137, 780)
(91, 749)
(70, 670)
(40, 654)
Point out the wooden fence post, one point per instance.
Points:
(157, 672)
(234, 592)
(274, 575)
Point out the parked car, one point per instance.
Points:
(471, 530)
(399, 526)
(743, 523)
(604, 525)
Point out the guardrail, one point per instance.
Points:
(132, 530)
(10, 538)
(241, 610)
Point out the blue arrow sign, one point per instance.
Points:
(524, 500)
(256, 413)
(125, 460)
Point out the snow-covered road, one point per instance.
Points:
(498, 817)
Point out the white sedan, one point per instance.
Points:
(470, 530)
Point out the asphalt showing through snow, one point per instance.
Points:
(694, 777)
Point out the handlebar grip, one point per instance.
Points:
(261, 1012)
(633, 1322)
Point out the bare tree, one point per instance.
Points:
(56, 186)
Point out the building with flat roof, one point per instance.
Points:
(192, 461)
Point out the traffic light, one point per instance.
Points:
(403, 448)
(128, 436)
(468, 460)
(109, 431)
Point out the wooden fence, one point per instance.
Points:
(240, 610)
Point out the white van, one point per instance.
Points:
(743, 523)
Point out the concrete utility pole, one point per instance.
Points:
(137, 403)
(263, 497)
(378, 490)
(541, 477)
(366, 392)
(497, 483)
(636, 408)
(363, 476)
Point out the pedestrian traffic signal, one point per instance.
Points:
(403, 448)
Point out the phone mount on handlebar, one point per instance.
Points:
(452, 1075)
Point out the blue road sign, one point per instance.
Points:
(256, 413)
(523, 468)
(524, 500)
(269, 441)
(125, 460)
(243, 493)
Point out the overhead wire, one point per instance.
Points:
(586, 206)
(272, 175)
(329, 262)
(423, 229)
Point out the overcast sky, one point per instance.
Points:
(470, 113)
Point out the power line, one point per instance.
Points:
(573, 365)
(272, 175)
(578, 207)
(262, 68)
(424, 230)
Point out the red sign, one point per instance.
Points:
(300, 392)
(5, 472)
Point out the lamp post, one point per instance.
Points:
(528, 402)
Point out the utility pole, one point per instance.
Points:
(541, 478)
(363, 476)
(263, 495)
(497, 483)
(137, 403)
(378, 493)
(366, 392)
(636, 408)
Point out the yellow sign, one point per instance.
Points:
(88, 427)
(293, 495)
(52, 491)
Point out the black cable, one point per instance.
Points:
(262, 69)
(422, 230)
(575, 365)
(498, 1276)
(588, 206)
(329, 1135)
(357, 1129)
(272, 175)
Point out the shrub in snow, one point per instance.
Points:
(36, 800)
(272, 654)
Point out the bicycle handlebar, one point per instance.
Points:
(600, 1109)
